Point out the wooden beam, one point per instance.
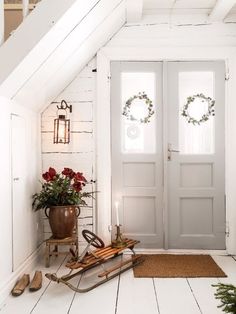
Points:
(134, 10)
(59, 18)
(221, 10)
(73, 53)
(1, 21)
(25, 10)
(17, 6)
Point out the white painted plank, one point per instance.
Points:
(75, 126)
(58, 298)
(79, 162)
(81, 83)
(136, 295)
(76, 95)
(175, 296)
(157, 4)
(80, 142)
(81, 111)
(25, 10)
(228, 265)
(26, 302)
(204, 293)
(134, 10)
(152, 35)
(221, 10)
(103, 136)
(101, 299)
(1, 22)
(200, 14)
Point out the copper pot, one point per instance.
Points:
(62, 220)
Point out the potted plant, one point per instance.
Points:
(62, 194)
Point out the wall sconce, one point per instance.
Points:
(62, 124)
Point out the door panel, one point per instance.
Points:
(196, 213)
(137, 152)
(193, 216)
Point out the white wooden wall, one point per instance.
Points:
(80, 153)
(175, 31)
(32, 153)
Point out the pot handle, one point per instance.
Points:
(45, 211)
(78, 211)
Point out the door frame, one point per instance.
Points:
(103, 118)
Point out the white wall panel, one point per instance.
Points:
(80, 153)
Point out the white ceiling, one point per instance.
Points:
(180, 6)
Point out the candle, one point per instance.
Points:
(117, 213)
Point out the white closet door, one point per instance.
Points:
(20, 215)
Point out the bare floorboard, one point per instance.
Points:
(175, 297)
(99, 300)
(123, 294)
(136, 295)
(57, 298)
(228, 264)
(204, 293)
(28, 300)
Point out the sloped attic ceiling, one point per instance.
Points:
(53, 44)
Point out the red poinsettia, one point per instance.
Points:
(63, 188)
(49, 175)
(79, 177)
(68, 173)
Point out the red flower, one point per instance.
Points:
(46, 176)
(77, 186)
(79, 177)
(68, 173)
(49, 175)
(52, 172)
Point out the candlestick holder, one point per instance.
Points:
(119, 241)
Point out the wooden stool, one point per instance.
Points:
(55, 243)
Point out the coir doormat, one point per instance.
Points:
(177, 266)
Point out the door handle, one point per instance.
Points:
(16, 179)
(170, 150)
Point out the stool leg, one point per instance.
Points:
(56, 250)
(47, 255)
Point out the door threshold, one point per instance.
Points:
(180, 251)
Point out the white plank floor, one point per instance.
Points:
(123, 294)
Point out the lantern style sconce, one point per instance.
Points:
(62, 124)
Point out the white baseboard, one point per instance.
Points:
(26, 267)
(178, 251)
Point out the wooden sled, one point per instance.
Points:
(90, 259)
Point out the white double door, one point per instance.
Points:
(168, 173)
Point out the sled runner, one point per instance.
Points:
(92, 258)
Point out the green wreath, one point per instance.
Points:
(148, 102)
(206, 116)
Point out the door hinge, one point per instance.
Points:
(227, 231)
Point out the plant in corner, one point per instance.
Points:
(226, 293)
(61, 193)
